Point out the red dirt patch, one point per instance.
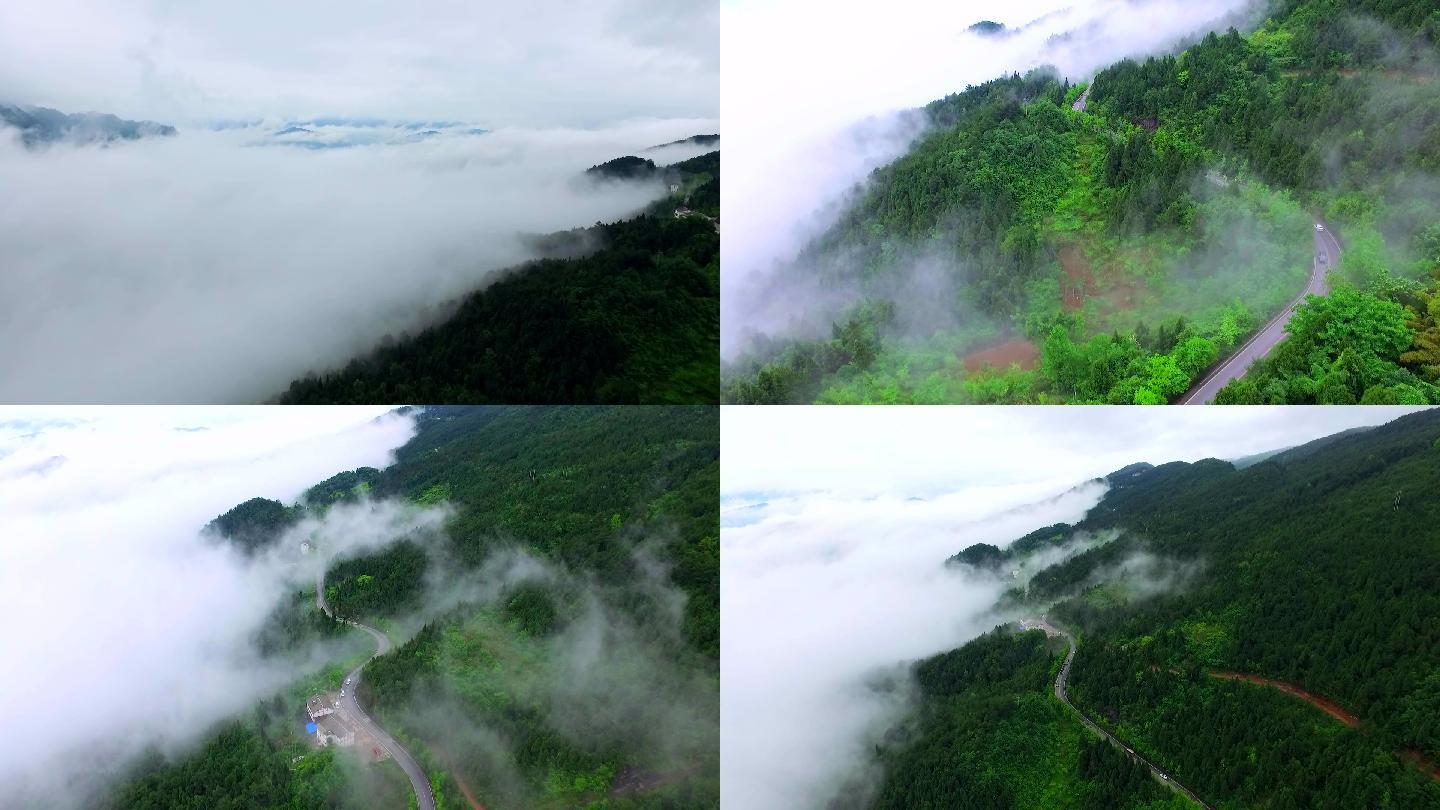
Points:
(1431, 769)
(1333, 709)
(1328, 706)
(1077, 280)
(1001, 356)
(475, 804)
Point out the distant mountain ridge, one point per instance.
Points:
(693, 140)
(43, 125)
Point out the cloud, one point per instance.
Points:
(867, 451)
(814, 94)
(837, 522)
(543, 63)
(202, 269)
(128, 628)
(824, 595)
(615, 675)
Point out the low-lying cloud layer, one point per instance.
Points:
(129, 629)
(541, 63)
(202, 268)
(820, 594)
(836, 526)
(805, 128)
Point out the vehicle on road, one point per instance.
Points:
(1319, 227)
(342, 693)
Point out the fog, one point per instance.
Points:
(544, 63)
(821, 594)
(805, 129)
(608, 679)
(127, 629)
(836, 525)
(205, 268)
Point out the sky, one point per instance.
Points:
(812, 96)
(836, 522)
(136, 631)
(220, 264)
(918, 449)
(216, 268)
(543, 63)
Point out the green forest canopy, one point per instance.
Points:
(1316, 566)
(1178, 201)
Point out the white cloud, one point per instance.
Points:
(541, 63)
(812, 89)
(126, 628)
(202, 269)
(836, 523)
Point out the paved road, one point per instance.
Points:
(1160, 776)
(356, 718)
(1327, 255)
(1079, 105)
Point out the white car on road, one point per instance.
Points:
(1319, 227)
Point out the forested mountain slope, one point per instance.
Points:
(1316, 568)
(39, 126)
(504, 693)
(635, 321)
(1114, 249)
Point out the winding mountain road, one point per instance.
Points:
(1060, 679)
(356, 718)
(1327, 255)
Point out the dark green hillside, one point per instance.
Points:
(987, 736)
(622, 504)
(1135, 242)
(1318, 568)
(255, 524)
(635, 321)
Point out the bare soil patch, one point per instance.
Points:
(1330, 707)
(1001, 356)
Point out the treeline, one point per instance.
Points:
(1313, 567)
(988, 735)
(386, 583)
(585, 488)
(342, 487)
(1351, 347)
(257, 762)
(1329, 100)
(256, 524)
(636, 321)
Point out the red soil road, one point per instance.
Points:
(1003, 355)
(464, 788)
(1431, 769)
(475, 804)
(1329, 707)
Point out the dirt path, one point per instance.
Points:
(1331, 708)
(465, 788)
(1077, 279)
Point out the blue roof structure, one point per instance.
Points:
(310, 727)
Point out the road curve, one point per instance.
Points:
(1160, 775)
(356, 717)
(1327, 255)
